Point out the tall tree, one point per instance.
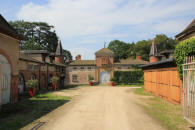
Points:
(119, 48)
(39, 32)
(67, 56)
(142, 48)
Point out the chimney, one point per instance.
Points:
(78, 57)
(138, 57)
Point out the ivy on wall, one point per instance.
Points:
(182, 50)
(128, 77)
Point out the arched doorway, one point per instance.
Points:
(104, 77)
(21, 84)
(5, 75)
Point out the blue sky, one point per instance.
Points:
(84, 25)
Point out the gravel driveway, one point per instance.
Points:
(99, 108)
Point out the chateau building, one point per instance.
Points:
(17, 67)
(101, 69)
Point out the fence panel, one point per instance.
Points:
(189, 89)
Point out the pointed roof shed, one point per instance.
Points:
(153, 50)
(59, 50)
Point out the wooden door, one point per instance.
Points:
(5, 80)
(104, 77)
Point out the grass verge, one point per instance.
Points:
(169, 115)
(129, 85)
(18, 115)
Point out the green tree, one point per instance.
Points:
(142, 48)
(120, 49)
(32, 45)
(162, 41)
(67, 56)
(39, 32)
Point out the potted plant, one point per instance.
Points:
(54, 81)
(112, 82)
(31, 85)
(90, 80)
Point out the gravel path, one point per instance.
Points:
(99, 108)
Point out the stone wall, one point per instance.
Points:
(81, 72)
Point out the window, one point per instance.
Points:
(33, 77)
(62, 70)
(119, 68)
(35, 67)
(82, 68)
(74, 78)
(32, 67)
(89, 68)
(129, 67)
(74, 68)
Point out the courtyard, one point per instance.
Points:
(98, 108)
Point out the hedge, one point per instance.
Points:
(128, 77)
(182, 50)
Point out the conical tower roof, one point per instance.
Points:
(153, 50)
(104, 51)
(59, 50)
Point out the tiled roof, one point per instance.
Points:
(153, 50)
(59, 50)
(7, 29)
(29, 58)
(188, 29)
(160, 64)
(35, 51)
(59, 64)
(83, 62)
(131, 61)
(167, 51)
(104, 51)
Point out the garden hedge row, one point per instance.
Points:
(128, 77)
(182, 50)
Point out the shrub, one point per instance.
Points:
(128, 77)
(90, 78)
(54, 79)
(32, 83)
(182, 50)
(112, 79)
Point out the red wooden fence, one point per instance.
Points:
(164, 82)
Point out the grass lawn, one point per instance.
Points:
(129, 85)
(169, 115)
(25, 111)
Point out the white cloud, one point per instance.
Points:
(83, 18)
(170, 26)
